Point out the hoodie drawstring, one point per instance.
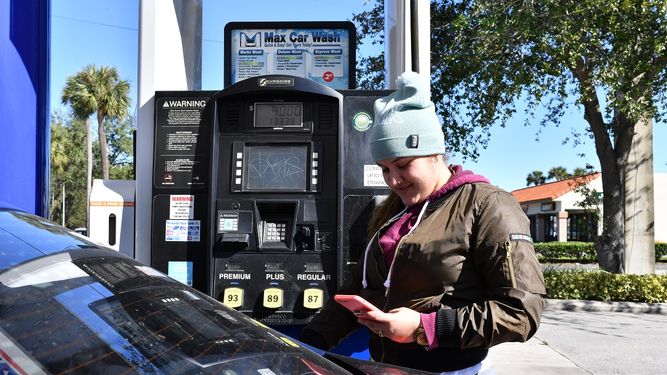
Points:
(364, 283)
(387, 282)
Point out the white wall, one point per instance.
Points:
(569, 200)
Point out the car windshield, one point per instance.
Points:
(90, 311)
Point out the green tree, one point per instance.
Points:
(609, 58)
(103, 93)
(535, 178)
(100, 92)
(67, 171)
(121, 152)
(558, 173)
(581, 171)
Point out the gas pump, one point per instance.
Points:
(277, 193)
(293, 187)
(262, 192)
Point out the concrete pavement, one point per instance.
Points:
(531, 357)
(589, 337)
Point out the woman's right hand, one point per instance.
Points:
(399, 324)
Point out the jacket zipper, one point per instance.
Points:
(510, 264)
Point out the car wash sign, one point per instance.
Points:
(321, 51)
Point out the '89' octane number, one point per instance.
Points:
(273, 298)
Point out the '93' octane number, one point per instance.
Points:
(233, 297)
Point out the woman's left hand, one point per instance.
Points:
(398, 324)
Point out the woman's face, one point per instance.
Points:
(414, 178)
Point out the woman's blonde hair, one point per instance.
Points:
(385, 211)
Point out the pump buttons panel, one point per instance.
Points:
(273, 298)
(233, 297)
(312, 298)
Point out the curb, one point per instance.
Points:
(603, 306)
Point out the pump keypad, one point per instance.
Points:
(275, 232)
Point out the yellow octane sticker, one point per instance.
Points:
(273, 298)
(233, 297)
(312, 298)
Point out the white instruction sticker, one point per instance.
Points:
(373, 175)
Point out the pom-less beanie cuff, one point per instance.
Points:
(406, 123)
(397, 147)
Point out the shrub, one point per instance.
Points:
(660, 250)
(582, 252)
(604, 286)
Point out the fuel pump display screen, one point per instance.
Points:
(278, 114)
(276, 167)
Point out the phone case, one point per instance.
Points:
(354, 303)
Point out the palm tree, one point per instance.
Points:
(581, 171)
(535, 178)
(558, 173)
(101, 92)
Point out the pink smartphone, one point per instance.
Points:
(356, 304)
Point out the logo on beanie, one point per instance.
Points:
(413, 141)
(390, 118)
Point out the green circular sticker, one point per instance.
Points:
(362, 121)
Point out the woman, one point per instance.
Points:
(450, 263)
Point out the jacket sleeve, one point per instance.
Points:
(333, 323)
(502, 252)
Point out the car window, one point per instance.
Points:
(14, 251)
(21, 231)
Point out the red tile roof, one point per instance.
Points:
(551, 190)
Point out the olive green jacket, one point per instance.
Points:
(471, 260)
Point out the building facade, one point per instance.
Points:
(556, 211)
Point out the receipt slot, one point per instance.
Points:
(277, 196)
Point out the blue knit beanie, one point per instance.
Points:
(405, 122)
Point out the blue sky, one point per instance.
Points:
(105, 32)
